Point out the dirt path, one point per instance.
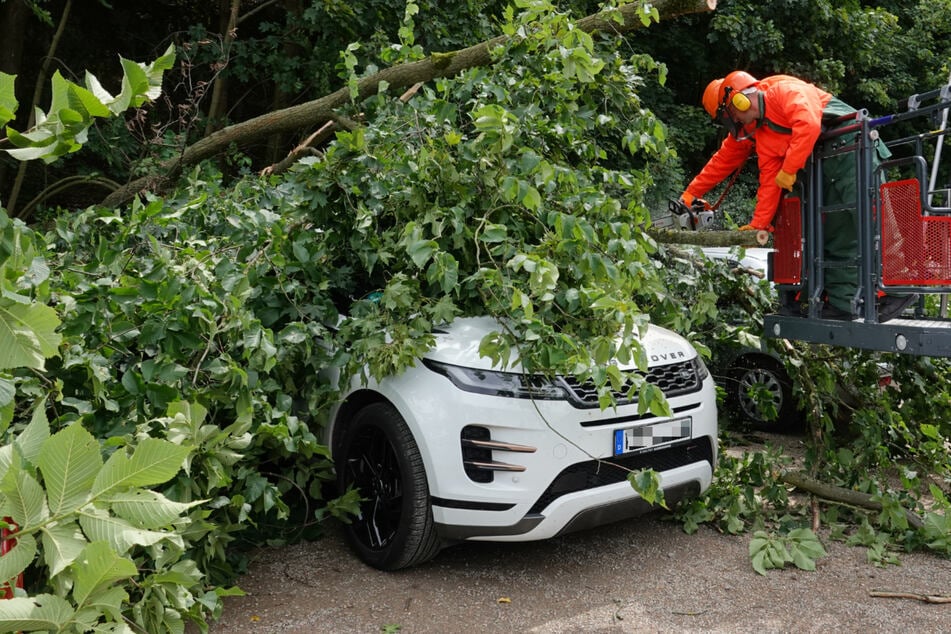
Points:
(643, 575)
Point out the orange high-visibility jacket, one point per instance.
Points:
(794, 108)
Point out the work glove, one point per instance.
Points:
(762, 235)
(690, 200)
(785, 180)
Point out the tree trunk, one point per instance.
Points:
(13, 21)
(13, 25)
(277, 143)
(315, 113)
(219, 93)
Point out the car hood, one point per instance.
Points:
(755, 258)
(458, 343)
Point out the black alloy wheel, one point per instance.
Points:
(378, 456)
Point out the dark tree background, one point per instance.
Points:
(241, 58)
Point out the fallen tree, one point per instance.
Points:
(316, 113)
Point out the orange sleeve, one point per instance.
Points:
(724, 161)
(803, 110)
(768, 194)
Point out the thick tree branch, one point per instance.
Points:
(706, 238)
(315, 113)
(318, 138)
(839, 494)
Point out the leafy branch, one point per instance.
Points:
(74, 108)
(89, 514)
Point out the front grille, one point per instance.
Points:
(594, 473)
(674, 379)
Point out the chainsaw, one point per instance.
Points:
(698, 215)
(693, 218)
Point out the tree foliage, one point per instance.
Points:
(862, 436)
(198, 321)
(191, 329)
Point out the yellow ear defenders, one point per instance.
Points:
(736, 99)
(741, 102)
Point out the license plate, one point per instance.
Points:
(648, 436)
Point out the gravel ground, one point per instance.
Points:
(642, 575)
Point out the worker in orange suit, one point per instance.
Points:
(782, 117)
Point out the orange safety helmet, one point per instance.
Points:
(719, 91)
(711, 97)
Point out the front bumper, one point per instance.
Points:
(567, 482)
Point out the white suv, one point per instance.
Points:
(454, 450)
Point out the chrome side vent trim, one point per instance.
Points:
(493, 466)
(478, 460)
(497, 446)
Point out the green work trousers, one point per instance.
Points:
(840, 228)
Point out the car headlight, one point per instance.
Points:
(496, 383)
(700, 368)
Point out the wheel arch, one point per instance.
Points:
(360, 398)
(354, 402)
(753, 356)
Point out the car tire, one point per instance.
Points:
(754, 371)
(378, 456)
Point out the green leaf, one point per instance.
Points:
(16, 560)
(74, 108)
(62, 544)
(444, 271)
(118, 533)
(494, 233)
(148, 509)
(85, 104)
(25, 499)
(44, 612)
(647, 485)
(135, 85)
(802, 560)
(532, 199)
(7, 391)
(8, 101)
(31, 153)
(154, 461)
(109, 603)
(27, 334)
(6, 459)
(806, 541)
(29, 443)
(99, 566)
(421, 250)
(652, 398)
(70, 461)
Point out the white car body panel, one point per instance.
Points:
(562, 435)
